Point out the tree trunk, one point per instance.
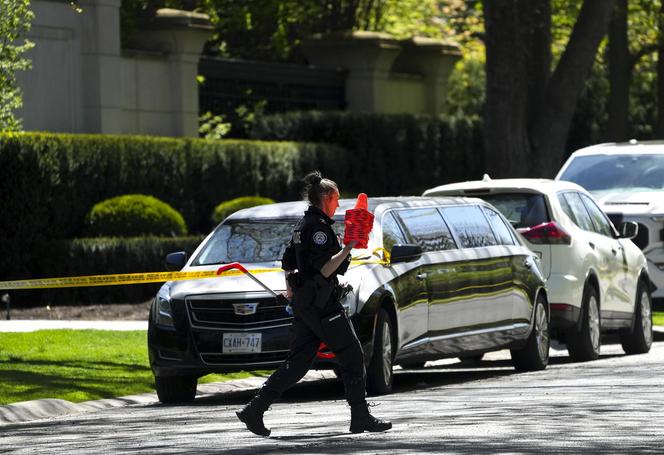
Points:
(526, 126)
(620, 75)
(659, 127)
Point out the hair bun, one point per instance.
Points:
(313, 178)
(316, 179)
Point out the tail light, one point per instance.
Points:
(324, 352)
(550, 233)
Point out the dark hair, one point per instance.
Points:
(317, 187)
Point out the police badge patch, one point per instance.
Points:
(320, 238)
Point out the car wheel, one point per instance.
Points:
(471, 358)
(175, 389)
(535, 354)
(379, 372)
(584, 344)
(639, 339)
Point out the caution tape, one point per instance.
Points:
(140, 278)
(118, 279)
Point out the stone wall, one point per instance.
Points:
(81, 80)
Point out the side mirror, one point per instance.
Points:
(175, 261)
(405, 253)
(628, 230)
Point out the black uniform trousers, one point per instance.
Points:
(307, 333)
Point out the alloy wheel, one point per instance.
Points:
(593, 322)
(542, 332)
(387, 353)
(646, 317)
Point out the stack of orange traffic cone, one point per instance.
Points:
(359, 222)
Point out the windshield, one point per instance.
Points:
(613, 172)
(249, 241)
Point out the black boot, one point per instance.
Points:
(252, 415)
(362, 420)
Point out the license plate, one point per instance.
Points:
(239, 343)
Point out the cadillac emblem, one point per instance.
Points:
(244, 309)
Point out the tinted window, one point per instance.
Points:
(579, 214)
(391, 232)
(522, 210)
(598, 218)
(500, 229)
(426, 228)
(470, 225)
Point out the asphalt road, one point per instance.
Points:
(613, 405)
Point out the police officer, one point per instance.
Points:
(316, 253)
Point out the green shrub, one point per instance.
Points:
(134, 215)
(102, 256)
(389, 154)
(48, 182)
(226, 208)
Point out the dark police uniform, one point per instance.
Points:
(318, 314)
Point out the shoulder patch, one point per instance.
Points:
(320, 238)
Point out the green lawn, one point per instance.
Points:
(77, 365)
(658, 317)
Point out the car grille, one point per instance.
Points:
(209, 318)
(220, 313)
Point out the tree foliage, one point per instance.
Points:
(15, 20)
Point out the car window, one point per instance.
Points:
(579, 214)
(391, 232)
(598, 218)
(427, 229)
(470, 225)
(500, 229)
(522, 210)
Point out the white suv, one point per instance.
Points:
(627, 181)
(597, 279)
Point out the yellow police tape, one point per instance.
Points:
(138, 278)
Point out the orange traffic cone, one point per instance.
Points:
(359, 222)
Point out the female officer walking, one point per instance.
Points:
(314, 251)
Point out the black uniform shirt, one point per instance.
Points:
(313, 244)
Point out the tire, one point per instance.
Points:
(471, 358)
(380, 374)
(584, 345)
(534, 356)
(175, 389)
(639, 339)
(412, 365)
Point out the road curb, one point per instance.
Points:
(49, 408)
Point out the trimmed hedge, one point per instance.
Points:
(134, 215)
(48, 182)
(388, 153)
(101, 256)
(229, 207)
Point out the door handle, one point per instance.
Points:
(421, 276)
(592, 245)
(614, 251)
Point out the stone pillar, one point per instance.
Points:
(180, 34)
(434, 60)
(101, 66)
(368, 58)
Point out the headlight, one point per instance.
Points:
(163, 314)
